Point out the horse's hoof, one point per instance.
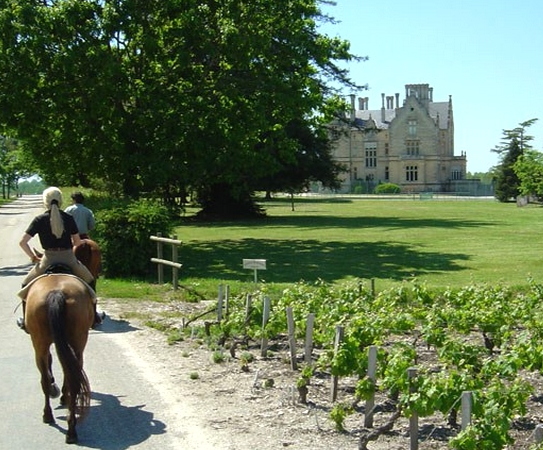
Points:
(71, 439)
(54, 391)
(48, 419)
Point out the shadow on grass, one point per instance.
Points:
(331, 222)
(294, 260)
(328, 258)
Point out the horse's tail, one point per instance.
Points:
(75, 376)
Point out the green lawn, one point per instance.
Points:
(442, 242)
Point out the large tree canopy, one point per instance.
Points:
(168, 96)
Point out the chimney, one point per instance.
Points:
(397, 100)
(390, 102)
(382, 107)
(360, 103)
(363, 103)
(353, 110)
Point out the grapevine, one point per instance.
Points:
(476, 339)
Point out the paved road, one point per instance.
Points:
(129, 408)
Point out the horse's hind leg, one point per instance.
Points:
(65, 397)
(43, 366)
(71, 435)
(54, 391)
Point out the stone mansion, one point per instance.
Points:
(411, 145)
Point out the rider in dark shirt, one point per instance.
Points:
(57, 232)
(41, 225)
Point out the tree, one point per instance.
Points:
(507, 181)
(485, 177)
(13, 165)
(312, 161)
(165, 96)
(514, 143)
(529, 170)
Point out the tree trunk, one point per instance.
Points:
(224, 201)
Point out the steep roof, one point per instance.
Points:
(435, 109)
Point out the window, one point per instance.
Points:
(412, 124)
(371, 154)
(387, 174)
(412, 147)
(411, 173)
(386, 148)
(456, 174)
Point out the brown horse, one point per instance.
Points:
(59, 310)
(90, 256)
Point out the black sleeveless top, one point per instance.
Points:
(41, 225)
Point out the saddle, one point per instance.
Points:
(52, 270)
(59, 268)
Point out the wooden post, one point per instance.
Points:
(265, 318)
(370, 402)
(175, 270)
(291, 338)
(538, 434)
(414, 419)
(466, 405)
(219, 303)
(248, 306)
(335, 378)
(160, 255)
(226, 301)
(309, 337)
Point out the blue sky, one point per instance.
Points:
(488, 55)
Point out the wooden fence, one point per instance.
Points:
(161, 262)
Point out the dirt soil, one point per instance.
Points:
(257, 405)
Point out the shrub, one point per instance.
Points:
(123, 234)
(359, 189)
(387, 188)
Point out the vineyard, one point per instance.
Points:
(482, 339)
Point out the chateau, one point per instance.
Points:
(411, 145)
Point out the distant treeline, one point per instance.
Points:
(31, 186)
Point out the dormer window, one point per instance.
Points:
(412, 127)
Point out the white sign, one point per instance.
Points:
(257, 264)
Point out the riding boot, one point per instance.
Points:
(98, 316)
(21, 320)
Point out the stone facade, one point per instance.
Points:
(410, 145)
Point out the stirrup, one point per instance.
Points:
(21, 324)
(99, 317)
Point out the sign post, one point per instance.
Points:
(255, 264)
